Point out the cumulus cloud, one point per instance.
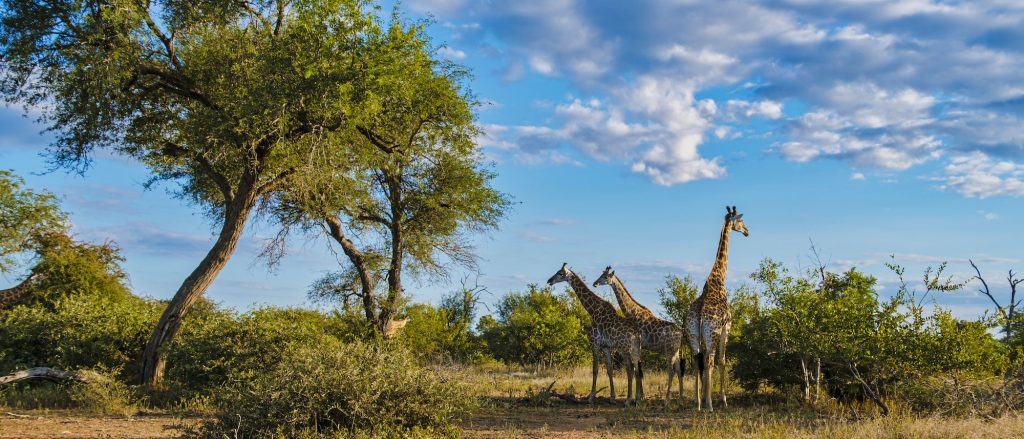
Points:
(886, 85)
(977, 175)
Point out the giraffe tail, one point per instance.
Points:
(699, 359)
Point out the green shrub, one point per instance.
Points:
(217, 344)
(340, 389)
(78, 332)
(100, 393)
(537, 328)
(436, 335)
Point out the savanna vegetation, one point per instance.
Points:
(337, 123)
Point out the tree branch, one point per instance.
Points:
(276, 181)
(380, 142)
(206, 168)
(986, 290)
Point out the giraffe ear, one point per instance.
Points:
(740, 216)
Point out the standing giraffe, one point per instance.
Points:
(13, 294)
(609, 330)
(709, 320)
(655, 334)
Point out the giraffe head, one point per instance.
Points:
(563, 274)
(606, 277)
(735, 221)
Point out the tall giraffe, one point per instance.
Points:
(9, 296)
(655, 334)
(709, 319)
(611, 331)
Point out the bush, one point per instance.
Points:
(436, 335)
(537, 328)
(339, 389)
(100, 393)
(78, 332)
(216, 345)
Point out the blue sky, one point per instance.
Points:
(622, 129)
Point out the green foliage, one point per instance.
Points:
(100, 393)
(436, 334)
(340, 389)
(676, 297)
(219, 345)
(537, 328)
(26, 218)
(78, 332)
(867, 345)
(68, 268)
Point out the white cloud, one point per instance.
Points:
(742, 110)
(976, 175)
(990, 216)
(866, 126)
(857, 176)
(450, 53)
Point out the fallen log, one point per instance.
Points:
(51, 374)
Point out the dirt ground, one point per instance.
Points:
(65, 424)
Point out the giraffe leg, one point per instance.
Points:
(609, 367)
(671, 376)
(721, 365)
(638, 362)
(595, 353)
(709, 363)
(693, 332)
(629, 380)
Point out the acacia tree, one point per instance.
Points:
(229, 99)
(29, 220)
(415, 182)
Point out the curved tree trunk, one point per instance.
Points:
(366, 283)
(235, 217)
(397, 251)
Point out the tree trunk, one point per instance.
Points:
(235, 216)
(395, 268)
(817, 379)
(869, 389)
(806, 387)
(366, 283)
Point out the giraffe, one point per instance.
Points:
(611, 331)
(11, 295)
(655, 334)
(709, 320)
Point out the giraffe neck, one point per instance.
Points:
(11, 295)
(594, 304)
(716, 280)
(631, 307)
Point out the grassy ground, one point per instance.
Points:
(512, 406)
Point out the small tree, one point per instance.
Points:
(29, 220)
(537, 328)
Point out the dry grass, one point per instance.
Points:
(509, 412)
